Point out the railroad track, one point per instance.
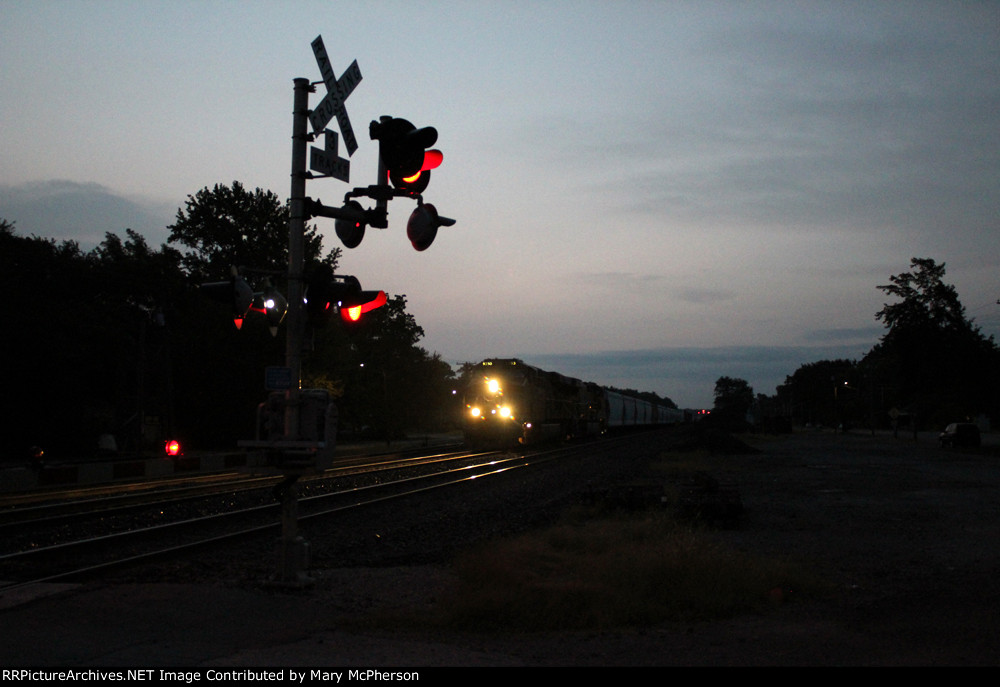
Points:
(108, 500)
(79, 554)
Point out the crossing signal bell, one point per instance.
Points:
(405, 152)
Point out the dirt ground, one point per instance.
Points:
(905, 532)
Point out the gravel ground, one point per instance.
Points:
(905, 532)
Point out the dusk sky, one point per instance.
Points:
(647, 194)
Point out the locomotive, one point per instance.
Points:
(509, 402)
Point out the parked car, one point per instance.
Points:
(960, 434)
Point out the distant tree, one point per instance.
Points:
(120, 340)
(229, 226)
(135, 276)
(53, 360)
(733, 399)
(926, 304)
(386, 383)
(932, 361)
(825, 392)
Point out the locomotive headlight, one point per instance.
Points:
(504, 411)
(475, 412)
(493, 385)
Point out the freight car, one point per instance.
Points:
(628, 411)
(509, 402)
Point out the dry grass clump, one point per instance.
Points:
(612, 572)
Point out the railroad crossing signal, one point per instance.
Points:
(235, 292)
(326, 292)
(350, 230)
(405, 163)
(405, 151)
(423, 224)
(352, 219)
(238, 294)
(273, 304)
(357, 302)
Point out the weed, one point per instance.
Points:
(612, 572)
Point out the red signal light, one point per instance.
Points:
(353, 313)
(432, 160)
(173, 448)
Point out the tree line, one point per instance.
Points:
(932, 366)
(119, 341)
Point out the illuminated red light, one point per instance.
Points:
(432, 159)
(353, 313)
(173, 447)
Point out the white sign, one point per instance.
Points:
(332, 104)
(328, 162)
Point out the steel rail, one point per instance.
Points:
(495, 467)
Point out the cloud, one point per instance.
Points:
(82, 212)
(845, 334)
(704, 296)
(864, 125)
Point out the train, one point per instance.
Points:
(508, 402)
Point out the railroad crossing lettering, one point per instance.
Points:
(327, 161)
(332, 104)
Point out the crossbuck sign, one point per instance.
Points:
(327, 160)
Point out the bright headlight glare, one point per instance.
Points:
(475, 412)
(505, 412)
(493, 386)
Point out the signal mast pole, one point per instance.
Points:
(293, 549)
(296, 255)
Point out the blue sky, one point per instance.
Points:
(648, 194)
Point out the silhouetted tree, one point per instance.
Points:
(926, 304)
(52, 361)
(733, 399)
(825, 392)
(390, 384)
(120, 340)
(933, 361)
(229, 226)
